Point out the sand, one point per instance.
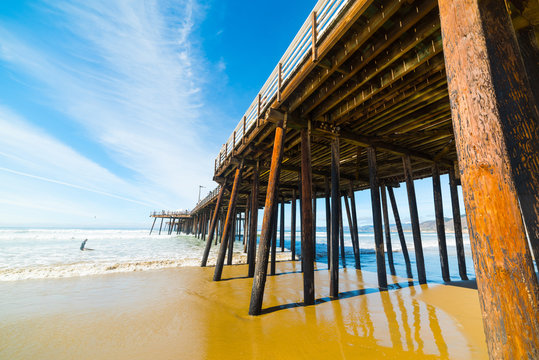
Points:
(180, 313)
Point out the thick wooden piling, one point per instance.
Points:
(440, 225)
(314, 226)
(259, 281)
(307, 252)
(353, 233)
(414, 218)
(491, 130)
(457, 225)
(377, 218)
(161, 226)
(398, 224)
(212, 226)
(335, 206)
(355, 239)
(228, 224)
(293, 226)
(387, 230)
(281, 225)
(253, 223)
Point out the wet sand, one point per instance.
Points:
(180, 313)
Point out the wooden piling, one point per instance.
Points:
(161, 226)
(281, 225)
(307, 252)
(154, 219)
(232, 238)
(492, 132)
(440, 225)
(314, 226)
(335, 206)
(213, 225)
(259, 281)
(248, 215)
(414, 218)
(274, 240)
(253, 219)
(355, 238)
(377, 218)
(228, 224)
(328, 222)
(402, 239)
(351, 228)
(293, 226)
(341, 238)
(387, 230)
(457, 225)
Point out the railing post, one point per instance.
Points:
(234, 141)
(258, 111)
(314, 35)
(279, 81)
(243, 136)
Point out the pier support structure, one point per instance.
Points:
(253, 223)
(307, 252)
(494, 132)
(335, 207)
(213, 225)
(262, 255)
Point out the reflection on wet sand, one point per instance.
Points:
(181, 313)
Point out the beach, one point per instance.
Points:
(178, 313)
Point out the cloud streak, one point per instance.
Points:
(127, 73)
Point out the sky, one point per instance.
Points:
(111, 109)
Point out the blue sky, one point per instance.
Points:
(110, 109)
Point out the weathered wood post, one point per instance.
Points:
(228, 224)
(259, 281)
(328, 222)
(153, 225)
(440, 225)
(232, 237)
(492, 118)
(353, 233)
(414, 218)
(387, 230)
(212, 225)
(307, 252)
(377, 218)
(355, 226)
(161, 226)
(293, 226)
(335, 207)
(281, 225)
(398, 224)
(253, 222)
(457, 225)
(274, 240)
(341, 237)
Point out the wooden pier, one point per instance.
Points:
(374, 94)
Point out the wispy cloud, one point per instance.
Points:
(127, 73)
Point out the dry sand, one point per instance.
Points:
(182, 314)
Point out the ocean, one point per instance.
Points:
(55, 253)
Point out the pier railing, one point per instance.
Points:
(212, 195)
(167, 213)
(323, 16)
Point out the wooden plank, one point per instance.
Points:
(389, 247)
(307, 252)
(414, 218)
(377, 219)
(231, 211)
(440, 225)
(212, 226)
(259, 281)
(335, 199)
(492, 133)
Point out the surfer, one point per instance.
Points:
(83, 244)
